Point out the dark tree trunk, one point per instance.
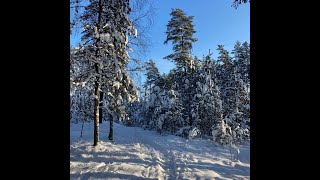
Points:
(81, 129)
(145, 92)
(97, 87)
(100, 108)
(111, 127)
(96, 113)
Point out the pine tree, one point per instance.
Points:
(180, 31)
(158, 116)
(152, 97)
(221, 132)
(241, 115)
(81, 108)
(206, 104)
(241, 53)
(226, 81)
(152, 75)
(173, 117)
(106, 32)
(153, 108)
(245, 90)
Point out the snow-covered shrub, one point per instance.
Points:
(194, 133)
(221, 133)
(184, 131)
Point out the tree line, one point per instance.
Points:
(198, 98)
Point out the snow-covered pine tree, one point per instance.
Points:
(241, 54)
(164, 81)
(245, 91)
(221, 132)
(226, 81)
(173, 117)
(180, 30)
(151, 93)
(157, 119)
(152, 75)
(241, 115)
(106, 32)
(81, 86)
(231, 88)
(167, 80)
(153, 108)
(206, 104)
(235, 86)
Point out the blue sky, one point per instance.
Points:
(216, 22)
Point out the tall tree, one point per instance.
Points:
(206, 102)
(152, 75)
(180, 32)
(241, 114)
(226, 80)
(141, 15)
(81, 84)
(106, 31)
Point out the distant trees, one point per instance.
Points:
(220, 104)
(199, 98)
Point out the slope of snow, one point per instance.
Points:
(143, 154)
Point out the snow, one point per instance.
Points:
(142, 154)
(105, 36)
(116, 84)
(234, 152)
(193, 133)
(135, 33)
(105, 26)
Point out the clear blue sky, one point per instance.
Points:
(216, 22)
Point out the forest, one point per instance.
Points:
(201, 98)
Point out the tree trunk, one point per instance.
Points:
(97, 86)
(111, 127)
(145, 92)
(81, 129)
(96, 113)
(100, 108)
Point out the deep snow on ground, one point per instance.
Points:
(143, 154)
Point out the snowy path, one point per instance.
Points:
(143, 154)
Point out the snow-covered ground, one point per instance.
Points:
(143, 154)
